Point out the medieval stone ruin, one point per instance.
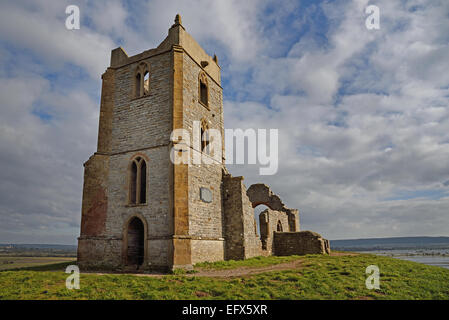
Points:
(142, 211)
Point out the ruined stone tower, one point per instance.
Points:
(141, 210)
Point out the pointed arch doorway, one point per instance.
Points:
(135, 242)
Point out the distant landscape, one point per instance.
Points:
(19, 256)
(37, 250)
(391, 243)
(372, 244)
(433, 251)
(427, 250)
(36, 271)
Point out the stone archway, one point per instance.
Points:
(260, 193)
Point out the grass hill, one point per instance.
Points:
(340, 276)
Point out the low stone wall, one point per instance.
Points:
(299, 243)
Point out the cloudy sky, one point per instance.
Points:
(362, 114)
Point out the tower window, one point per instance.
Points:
(203, 92)
(203, 89)
(138, 181)
(137, 84)
(133, 183)
(146, 83)
(143, 182)
(142, 81)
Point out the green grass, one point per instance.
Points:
(320, 277)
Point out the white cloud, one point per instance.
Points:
(42, 31)
(348, 155)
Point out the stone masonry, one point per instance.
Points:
(140, 211)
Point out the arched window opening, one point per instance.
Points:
(136, 242)
(142, 80)
(146, 83)
(143, 182)
(137, 84)
(279, 226)
(138, 182)
(133, 183)
(261, 232)
(203, 89)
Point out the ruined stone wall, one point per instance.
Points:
(106, 111)
(242, 241)
(233, 221)
(299, 243)
(252, 243)
(94, 211)
(260, 193)
(268, 220)
(95, 197)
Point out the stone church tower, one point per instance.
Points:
(140, 210)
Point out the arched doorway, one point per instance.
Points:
(257, 211)
(135, 253)
(262, 228)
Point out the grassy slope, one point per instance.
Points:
(321, 277)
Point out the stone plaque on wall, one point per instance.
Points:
(205, 195)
